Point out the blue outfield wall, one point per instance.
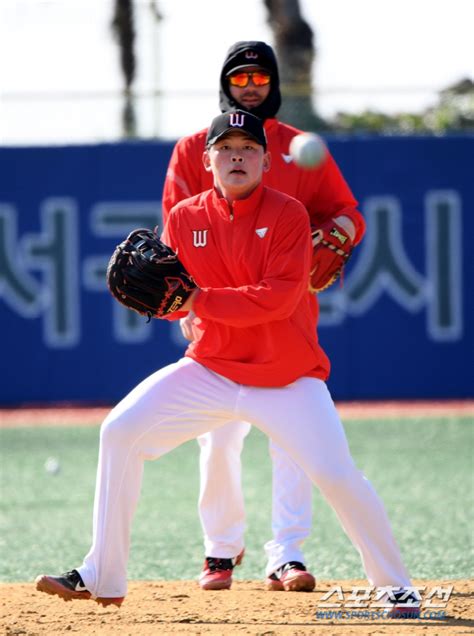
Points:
(400, 327)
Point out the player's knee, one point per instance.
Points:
(115, 430)
(334, 478)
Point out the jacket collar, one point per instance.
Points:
(240, 207)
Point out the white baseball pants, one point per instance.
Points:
(185, 400)
(221, 502)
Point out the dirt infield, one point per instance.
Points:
(180, 607)
(64, 415)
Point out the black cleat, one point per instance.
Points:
(70, 586)
(408, 607)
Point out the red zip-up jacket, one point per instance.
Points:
(322, 190)
(256, 321)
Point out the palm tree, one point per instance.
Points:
(294, 43)
(123, 29)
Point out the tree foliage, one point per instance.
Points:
(295, 47)
(454, 112)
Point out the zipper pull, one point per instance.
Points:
(231, 216)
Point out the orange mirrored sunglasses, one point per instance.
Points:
(259, 78)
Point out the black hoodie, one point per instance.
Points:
(249, 54)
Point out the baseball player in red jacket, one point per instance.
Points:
(249, 80)
(255, 357)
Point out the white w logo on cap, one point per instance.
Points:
(236, 119)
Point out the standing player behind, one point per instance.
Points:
(249, 80)
(255, 357)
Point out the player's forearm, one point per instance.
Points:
(250, 305)
(332, 198)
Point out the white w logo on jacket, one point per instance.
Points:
(200, 238)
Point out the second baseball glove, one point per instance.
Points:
(146, 275)
(332, 248)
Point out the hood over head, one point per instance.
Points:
(251, 53)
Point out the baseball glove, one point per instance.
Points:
(332, 248)
(145, 275)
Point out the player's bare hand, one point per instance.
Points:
(186, 325)
(347, 225)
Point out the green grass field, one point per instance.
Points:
(422, 468)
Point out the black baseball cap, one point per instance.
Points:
(250, 53)
(237, 120)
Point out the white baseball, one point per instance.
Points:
(52, 466)
(308, 150)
